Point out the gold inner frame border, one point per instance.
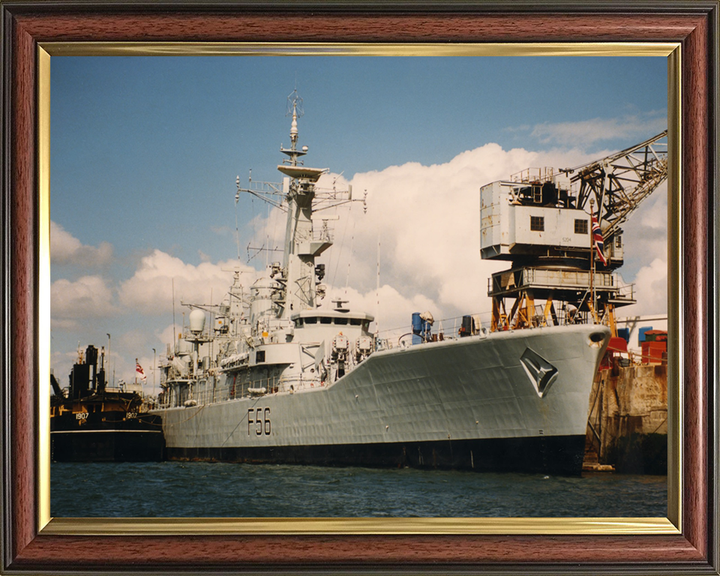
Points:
(381, 526)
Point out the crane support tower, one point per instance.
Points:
(561, 231)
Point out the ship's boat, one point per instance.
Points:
(91, 423)
(273, 378)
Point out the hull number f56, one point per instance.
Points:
(259, 421)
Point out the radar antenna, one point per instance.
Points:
(295, 104)
(294, 109)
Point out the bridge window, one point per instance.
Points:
(537, 223)
(312, 320)
(325, 320)
(355, 321)
(581, 226)
(341, 321)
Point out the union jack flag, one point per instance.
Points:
(139, 372)
(598, 240)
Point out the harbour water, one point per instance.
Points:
(201, 489)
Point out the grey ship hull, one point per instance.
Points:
(465, 404)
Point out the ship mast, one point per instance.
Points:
(298, 279)
(302, 246)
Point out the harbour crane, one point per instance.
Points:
(621, 181)
(561, 231)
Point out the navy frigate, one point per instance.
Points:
(269, 377)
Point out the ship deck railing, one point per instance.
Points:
(531, 175)
(635, 357)
(272, 385)
(237, 391)
(450, 328)
(443, 329)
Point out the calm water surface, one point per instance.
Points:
(200, 489)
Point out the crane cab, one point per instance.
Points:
(536, 214)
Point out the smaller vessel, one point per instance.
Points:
(91, 423)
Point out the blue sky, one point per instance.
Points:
(145, 152)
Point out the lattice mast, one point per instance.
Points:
(297, 280)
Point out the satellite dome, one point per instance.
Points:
(197, 321)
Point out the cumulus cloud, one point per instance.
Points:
(646, 255)
(167, 336)
(75, 301)
(426, 220)
(650, 290)
(66, 249)
(150, 289)
(653, 214)
(588, 132)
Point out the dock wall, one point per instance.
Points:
(627, 421)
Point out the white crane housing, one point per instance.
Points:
(542, 221)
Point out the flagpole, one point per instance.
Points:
(109, 359)
(154, 370)
(592, 261)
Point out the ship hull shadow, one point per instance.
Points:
(561, 455)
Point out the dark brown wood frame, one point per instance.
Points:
(693, 24)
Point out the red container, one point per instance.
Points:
(652, 352)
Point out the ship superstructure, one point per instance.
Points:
(272, 377)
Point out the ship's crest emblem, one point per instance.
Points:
(541, 373)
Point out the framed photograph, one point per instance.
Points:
(42, 43)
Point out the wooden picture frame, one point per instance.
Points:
(29, 546)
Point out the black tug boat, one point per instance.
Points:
(93, 424)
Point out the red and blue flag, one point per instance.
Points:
(598, 240)
(139, 372)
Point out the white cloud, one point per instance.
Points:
(653, 213)
(61, 362)
(136, 338)
(167, 336)
(150, 290)
(646, 255)
(427, 220)
(75, 301)
(66, 249)
(599, 129)
(650, 290)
